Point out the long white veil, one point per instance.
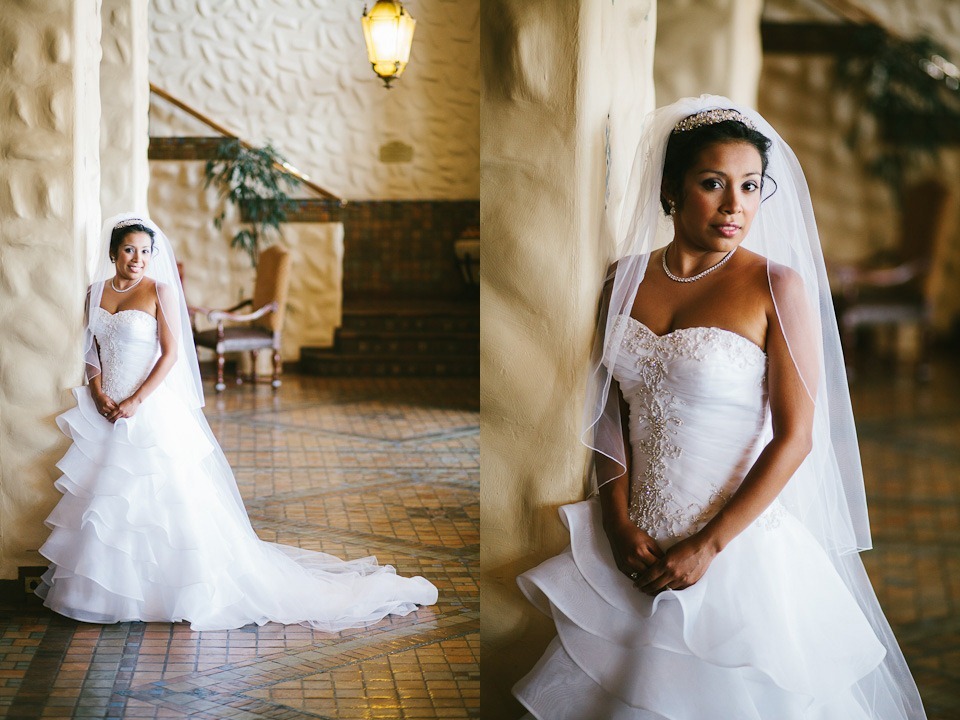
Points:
(827, 492)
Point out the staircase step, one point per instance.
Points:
(400, 323)
(330, 363)
(401, 337)
(390, 344)
(410, 316)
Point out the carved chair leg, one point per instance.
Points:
(220, 386)
(254, 354)
(924, 371)
(277, 367)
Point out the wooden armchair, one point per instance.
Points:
(262, 325)
(900, 289)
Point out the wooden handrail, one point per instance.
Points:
(323, 192)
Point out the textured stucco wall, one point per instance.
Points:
(125, 97)
(855, 212)
(551, 74)
(708, 46)
(216, 275)
(297, 72)
(49, 207)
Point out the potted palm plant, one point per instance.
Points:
(256, 182)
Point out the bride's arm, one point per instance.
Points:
(791, 410)
(168, 356)
(633, 549)
(105, 404)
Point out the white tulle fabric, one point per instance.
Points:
(151, 527)
(770, 631)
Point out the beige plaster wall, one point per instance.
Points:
(708, 46)
(551, 74)
(855, 212)
(298, 73)
(217, 276)
(125, 96)
(49, 207)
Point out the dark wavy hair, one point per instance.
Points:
(119, 233)
(683, 149)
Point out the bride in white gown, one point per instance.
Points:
(715, 574)
(151, 525)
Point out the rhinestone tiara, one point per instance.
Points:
(127, 223)
(712, 117)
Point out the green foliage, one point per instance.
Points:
(253, 180)
(909, 107)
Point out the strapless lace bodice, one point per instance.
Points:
(698, 403)
(129, 348)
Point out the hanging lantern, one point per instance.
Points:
(388, 30)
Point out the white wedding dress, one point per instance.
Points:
(770, 632)
(143, 533)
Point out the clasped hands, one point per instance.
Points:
(113, 411)
(652, 569)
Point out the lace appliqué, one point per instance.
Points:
(772, 517)
(653, 506)
(693, 343)
(111, 340)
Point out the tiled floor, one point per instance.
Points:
(910, 445)
(391, 467)
(388, 467)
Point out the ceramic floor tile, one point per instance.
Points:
(351, 467)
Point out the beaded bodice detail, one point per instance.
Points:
(129, 348)
(698, 408)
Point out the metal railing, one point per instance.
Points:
(289, 169)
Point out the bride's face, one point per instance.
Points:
(721, 196)
(133, 256)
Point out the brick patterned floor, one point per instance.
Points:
(910, 445)
(391, 467)
(352, 467)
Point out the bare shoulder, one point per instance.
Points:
(790, 302)
(751, 271)
(769, 275)
(166, 295)
(751, 264)
(785, 282)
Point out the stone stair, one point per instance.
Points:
(401, 338)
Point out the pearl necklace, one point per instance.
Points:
(677, 278)
(116, 289)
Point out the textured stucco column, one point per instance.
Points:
(559, 79)
(49, 207)
(125, 96)
(708, 46)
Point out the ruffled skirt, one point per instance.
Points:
(769, 632)
(144, 532)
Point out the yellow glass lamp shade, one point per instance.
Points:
(388, 31)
